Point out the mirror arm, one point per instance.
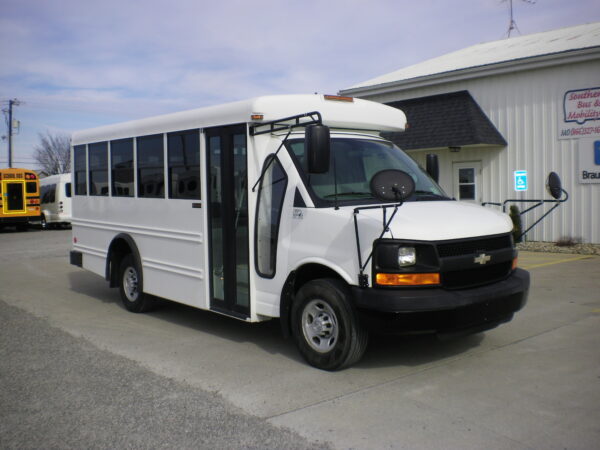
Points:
(262, 174)
(363, 278)
(556, 202)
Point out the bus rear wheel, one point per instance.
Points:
(131, 286)
(325, 325)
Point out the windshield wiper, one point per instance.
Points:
(345, 194)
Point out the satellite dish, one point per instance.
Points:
(392, 185)
(554, 186)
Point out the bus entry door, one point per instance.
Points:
(14, 197)
(227, 180)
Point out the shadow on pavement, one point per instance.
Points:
(383, 351)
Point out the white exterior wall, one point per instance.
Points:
(525, 107)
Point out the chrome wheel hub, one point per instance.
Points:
(319, 325)
(130, 284)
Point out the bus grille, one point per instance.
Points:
(472, 246)
(465, 273)
(476, 277)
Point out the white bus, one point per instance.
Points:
(289, 207)
(55, 199)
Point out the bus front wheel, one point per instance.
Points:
(325, 325)
(131, 286)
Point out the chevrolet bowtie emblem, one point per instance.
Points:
(482, 259)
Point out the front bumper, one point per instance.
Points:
(442, 311)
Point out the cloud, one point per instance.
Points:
(115, 60)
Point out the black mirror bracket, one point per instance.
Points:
(363, 278)
(554, 188)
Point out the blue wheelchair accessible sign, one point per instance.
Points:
(520, 180)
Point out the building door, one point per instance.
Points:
(228, 219)
(467, 181)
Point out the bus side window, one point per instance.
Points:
(121, 154)
(68, 190)
(98, 154)
(150, 165)
(80, 166)
(44, 194)
(183, 149)
(52, 193)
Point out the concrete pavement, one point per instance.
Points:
(531, 383)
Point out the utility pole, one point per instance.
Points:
(11, 103)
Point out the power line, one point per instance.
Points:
(11, 103)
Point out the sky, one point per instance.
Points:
(77, 64)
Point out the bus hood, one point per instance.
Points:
(439, 220)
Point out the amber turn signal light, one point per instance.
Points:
(407, 279)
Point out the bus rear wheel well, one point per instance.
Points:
(121, 246)
(295, 280)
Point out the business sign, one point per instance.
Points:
(580, 117)
(520, 180)
(589, 161)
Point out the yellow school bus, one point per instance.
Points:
(19, 197)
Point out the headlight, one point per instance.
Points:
(407, 256)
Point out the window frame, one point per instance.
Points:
(78, 171)
(270, 162)
(100, 147)
(140, 167)
(131, 170)
(172, 193)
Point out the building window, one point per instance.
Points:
(270, 204)
(150, 165)
(183, 150)
(98, 154)
(80, 168)
(467, 182)
(121, 157)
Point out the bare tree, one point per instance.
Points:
(53, 153)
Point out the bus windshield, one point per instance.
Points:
(354, 162)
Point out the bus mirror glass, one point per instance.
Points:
(392, 185)
(318, 147)
(433, 167)
(554, 185)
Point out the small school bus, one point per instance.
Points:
(290, 207)
(19, 197)
(55, 199)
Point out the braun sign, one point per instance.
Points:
(580, 117)
(589, 161)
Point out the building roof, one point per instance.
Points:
(491, 54)
(446, 120)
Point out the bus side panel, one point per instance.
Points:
(168, 234)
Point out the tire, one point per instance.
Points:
(43, 223)
(325, 326)
(131, 286)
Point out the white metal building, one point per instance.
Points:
(529, 103)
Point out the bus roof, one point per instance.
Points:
(356, 114)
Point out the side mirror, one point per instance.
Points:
(318, 147)
(433, 167)
(392, 185)
(554, 186)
